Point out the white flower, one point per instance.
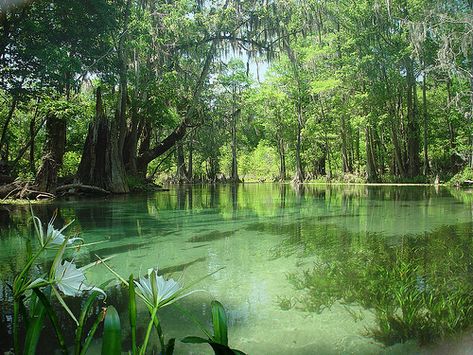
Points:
(52, 236)
(164, 292)
(72, 281)
(55, 236)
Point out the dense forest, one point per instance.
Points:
(113, 93)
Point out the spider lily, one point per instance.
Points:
(55, 236)
(157, 291)
(52, 235)
(71, 280)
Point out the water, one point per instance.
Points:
(301, 271)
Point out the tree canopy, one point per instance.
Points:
(107, 94)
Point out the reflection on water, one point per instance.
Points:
(305, 270)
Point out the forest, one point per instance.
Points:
(115, 94)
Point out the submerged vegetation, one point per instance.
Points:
(419, 287)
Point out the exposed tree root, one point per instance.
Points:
(25, 190)
(75, 189)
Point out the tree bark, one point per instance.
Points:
(346, 166)
(282, 160)
(470, 118)
(32, 145)
(190, 161)
(234, 173)
(3, 139)
(54, 148)
(181, 172)
(426, 167)
(123, 83)
(412, 124)
(146, 156)
(101, 165)
(371, 173)
(299, 176)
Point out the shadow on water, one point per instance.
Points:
(180, 267)
(211, 236)
(118, 249)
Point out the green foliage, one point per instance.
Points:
(219, 340)
(70, 163)
(409, 286)
(112, 341)
(459, 179)
(261, 163)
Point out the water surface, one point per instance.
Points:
(302, 271)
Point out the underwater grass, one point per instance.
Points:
(419, 288)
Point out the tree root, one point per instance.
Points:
(25, 190)
(77, 189)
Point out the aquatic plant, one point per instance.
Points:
(418, 288)
(219, 340)
(157, 292)
(33, 301)
(63, 277)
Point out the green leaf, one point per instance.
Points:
(64, 305)
(220, 349)
(153, 320)
(219, 321)
(132, 313)
(93, 329)
(53, 317)
(111, 343)
(37, 315)
(83, 317)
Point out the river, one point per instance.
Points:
(315, 269)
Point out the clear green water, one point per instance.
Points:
(267, 239)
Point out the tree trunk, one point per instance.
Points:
(54, 148)
(371, 174)
(318, 165)
(181, 172)
(346, 166)
(101, 164)
(32, 145)
(299, 177)
(397, 149)
(426, 167)
(282, 160)
(190, 160)
(123, 85)
(129, 152)
(146, 156)
(412, 124)
(234, 173)
(470, 116)
(357, 150)
(3, 139)
(131, 141)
